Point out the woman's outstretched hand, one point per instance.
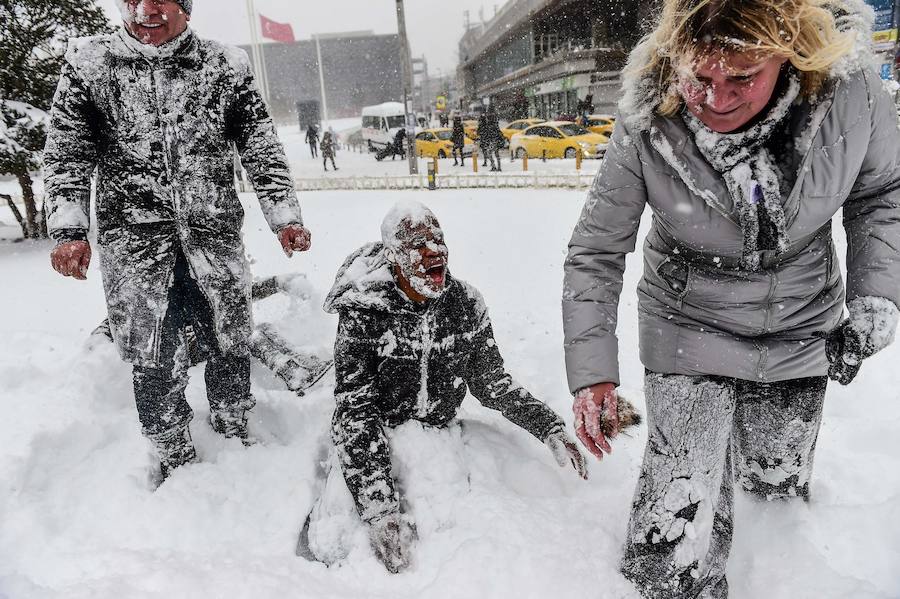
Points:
(597, 417)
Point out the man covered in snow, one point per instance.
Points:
(411, 340)
(158, 112)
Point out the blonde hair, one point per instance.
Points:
(802, 31)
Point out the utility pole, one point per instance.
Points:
(406, 59)
(321, 81)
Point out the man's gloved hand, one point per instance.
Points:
(869, 329)
(567, 453)
(72, 259)
(294, 237)
(392, 537)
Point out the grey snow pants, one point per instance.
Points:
(704, 434)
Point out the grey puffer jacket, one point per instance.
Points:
(160, 126)
(699, 311)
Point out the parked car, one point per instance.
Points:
(435, 143)
(470, 126)
(600, 123)
(380, 124)
(518, 126)
(558, 139)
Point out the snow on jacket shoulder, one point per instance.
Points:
(699, 313)
(160, 126)
(396, 361)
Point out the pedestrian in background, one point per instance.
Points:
(458, 138)
(312, 138)
(327, 148)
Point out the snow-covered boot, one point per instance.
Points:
(232, 423)
(174, 448)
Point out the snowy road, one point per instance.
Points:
(497, 518)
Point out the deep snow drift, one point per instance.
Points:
(496, 516)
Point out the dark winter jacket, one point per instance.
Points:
(700, 311)
(327, 146)
(159, 125)
(397, 361)
(458, 134)
(312, 135)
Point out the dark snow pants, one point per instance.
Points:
(704, 434)
(159, 392)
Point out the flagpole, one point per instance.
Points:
(321, 80)
(260, 53)
(253, 55)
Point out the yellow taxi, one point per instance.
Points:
(558, 139)
(471, 128)
(600, 123)
(518, 126)
(435, 143)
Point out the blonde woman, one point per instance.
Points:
(746, 126)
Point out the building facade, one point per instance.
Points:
(360, 69)
(541, 58)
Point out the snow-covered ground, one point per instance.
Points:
(496, 517)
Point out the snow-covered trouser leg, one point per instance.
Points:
(775, 431)
(679, 534)
(680, 531)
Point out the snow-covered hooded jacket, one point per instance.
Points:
(396, 361)
(160, 125)
(700, 310)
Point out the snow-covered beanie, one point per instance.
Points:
(186, 5)
(751, 173)
(406, 211)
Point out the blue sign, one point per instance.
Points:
(884, 14)
(886, 72)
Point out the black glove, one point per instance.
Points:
(844, 352)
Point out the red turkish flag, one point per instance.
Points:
(280, 32)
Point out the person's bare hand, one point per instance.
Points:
(597, 417)
(72, 259)
(294, 237)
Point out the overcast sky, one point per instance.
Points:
(434, 26)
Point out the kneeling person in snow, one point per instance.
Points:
(410, 340)
(157, 111)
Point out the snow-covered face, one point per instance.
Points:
(728, 89)
(153, 22)
(421, 257)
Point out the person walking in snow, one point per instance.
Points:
(481, 132)
(411, 340)
(494, 138)
(328, 150)
(458, 139)
(312, 138)
(156, 110)
(746, 126)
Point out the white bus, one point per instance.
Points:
(381, 122)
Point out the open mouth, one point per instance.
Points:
(435, 274)
(150, 25)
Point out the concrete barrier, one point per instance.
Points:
(449, 181)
